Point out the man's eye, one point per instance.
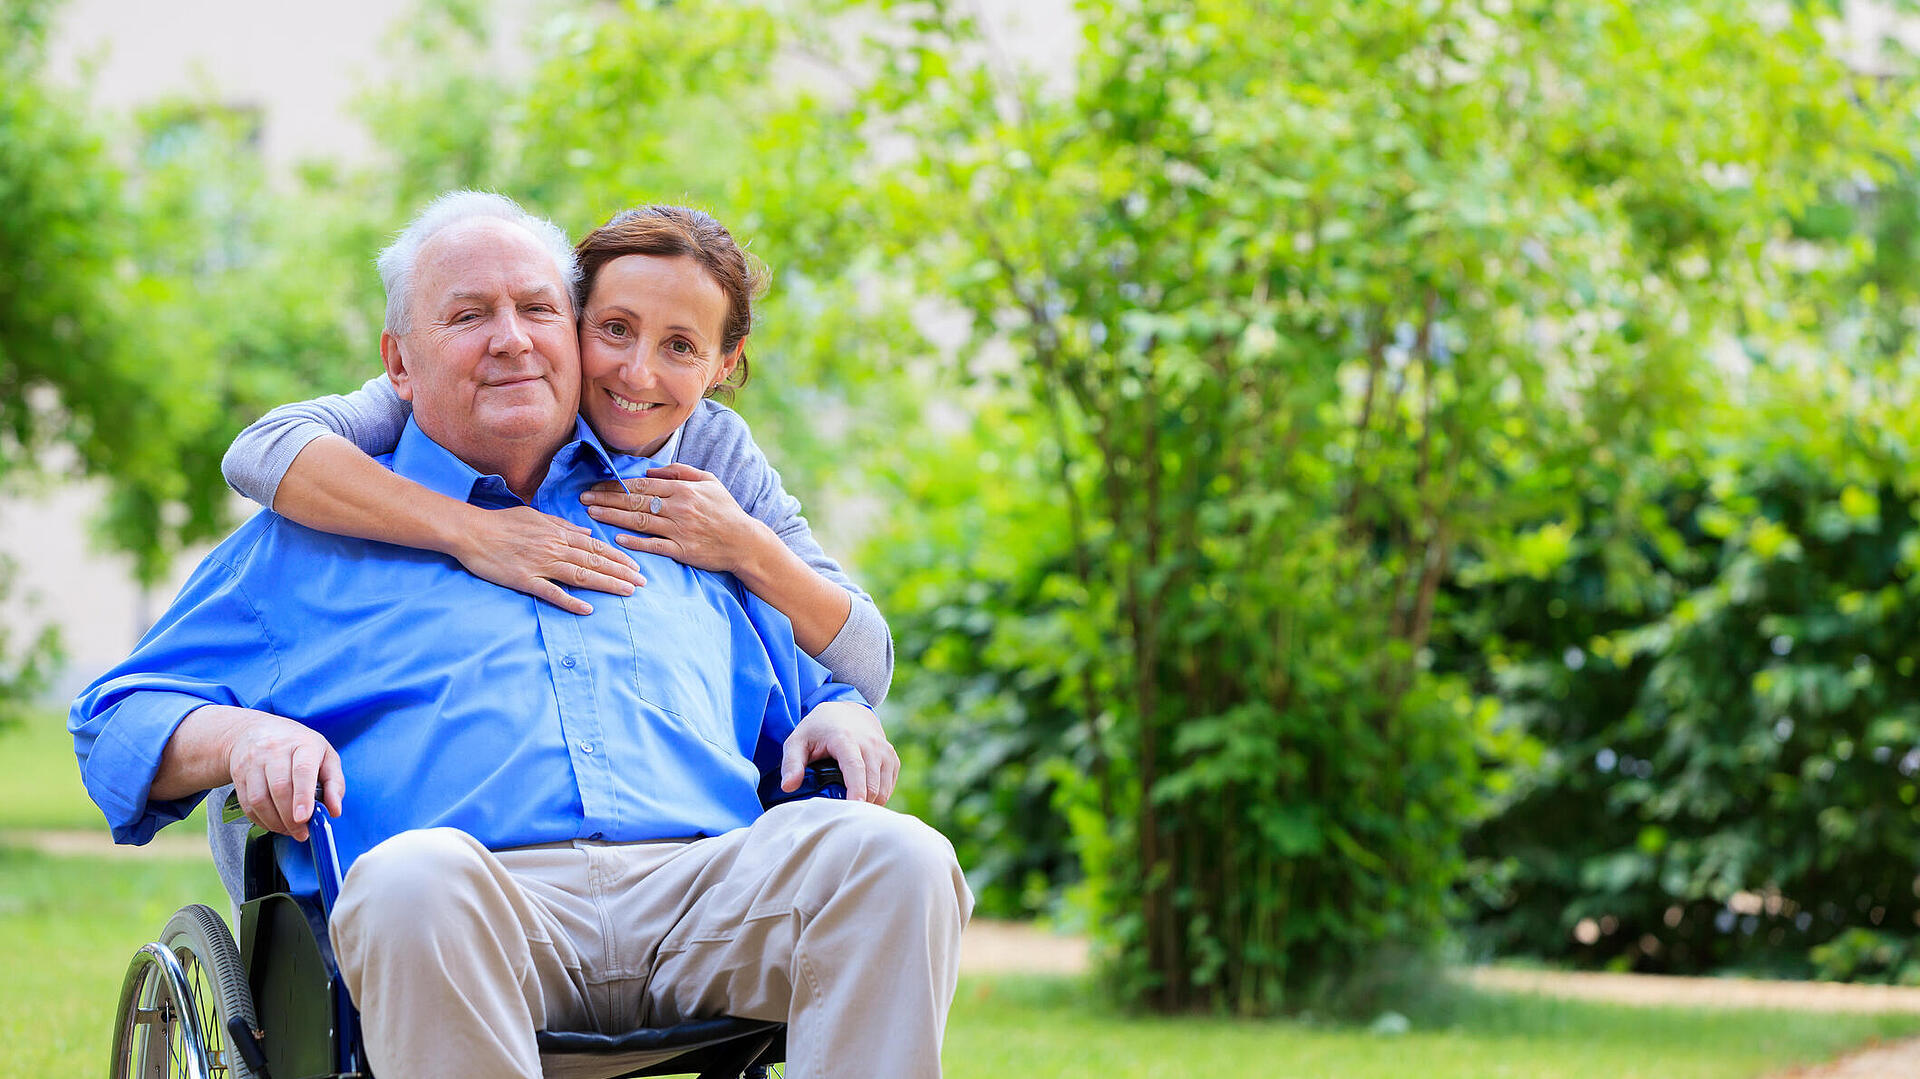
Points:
(466, 316)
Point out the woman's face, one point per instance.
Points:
(649, 348)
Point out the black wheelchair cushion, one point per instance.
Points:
(691, 1035)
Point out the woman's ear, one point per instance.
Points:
(727, 364)
(396, 365)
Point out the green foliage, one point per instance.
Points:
(993, 651)
(1733, 772)
(1863, 955)
(149, 308)
(1307, 305)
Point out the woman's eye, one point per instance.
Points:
(616, 329)
(681, 347)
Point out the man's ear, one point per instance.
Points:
(396, 366)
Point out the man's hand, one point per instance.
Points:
(276, 763)
(851, 734)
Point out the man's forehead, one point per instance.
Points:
(487, 257)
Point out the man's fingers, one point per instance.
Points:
(793, 762)
(259, 802)
(283, 794)
(853, 769)
(888, 775)
(304, 776)
(333, 783)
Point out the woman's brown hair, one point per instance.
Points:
(670, 231)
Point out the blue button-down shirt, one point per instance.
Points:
(455, 702)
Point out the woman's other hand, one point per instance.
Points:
(683, 513)
(536, 553)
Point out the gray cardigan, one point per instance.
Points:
(714, 439)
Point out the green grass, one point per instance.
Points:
(43, 791)
(1052, 1027)
(43, 788)
(71, 923)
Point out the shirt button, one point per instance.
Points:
(586, 747)
(566, 661)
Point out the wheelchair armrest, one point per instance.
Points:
(326, 857)
(822, 779)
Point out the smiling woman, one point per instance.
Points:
(665, 321)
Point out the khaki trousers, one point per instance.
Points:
(839, 918)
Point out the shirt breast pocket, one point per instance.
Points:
(690, 674)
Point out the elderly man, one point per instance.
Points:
(554, 820)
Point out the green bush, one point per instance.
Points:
(1732, 765)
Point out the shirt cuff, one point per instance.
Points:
(119, 771)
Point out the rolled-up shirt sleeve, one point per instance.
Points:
(209, 648)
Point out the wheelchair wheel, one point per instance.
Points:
(178, 1002)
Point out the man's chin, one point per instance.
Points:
(525, 422)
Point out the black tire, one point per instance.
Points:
(173, 1019)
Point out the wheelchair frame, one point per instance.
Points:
(196, 1004)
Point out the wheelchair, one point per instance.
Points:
(197, 1004)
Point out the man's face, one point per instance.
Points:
(491, 364)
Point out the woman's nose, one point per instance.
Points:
(638, 370)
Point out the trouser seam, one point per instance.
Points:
(813, 987)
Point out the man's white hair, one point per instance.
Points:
(397, 261)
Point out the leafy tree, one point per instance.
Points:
(1316, 304)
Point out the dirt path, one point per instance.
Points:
(1700, 992)
(172, 843)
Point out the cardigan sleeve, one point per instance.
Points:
(370, 417)
(717, 440)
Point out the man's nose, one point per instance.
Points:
(510, 335)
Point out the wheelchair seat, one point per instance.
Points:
(196, 1004)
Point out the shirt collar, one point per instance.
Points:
(419, 458)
